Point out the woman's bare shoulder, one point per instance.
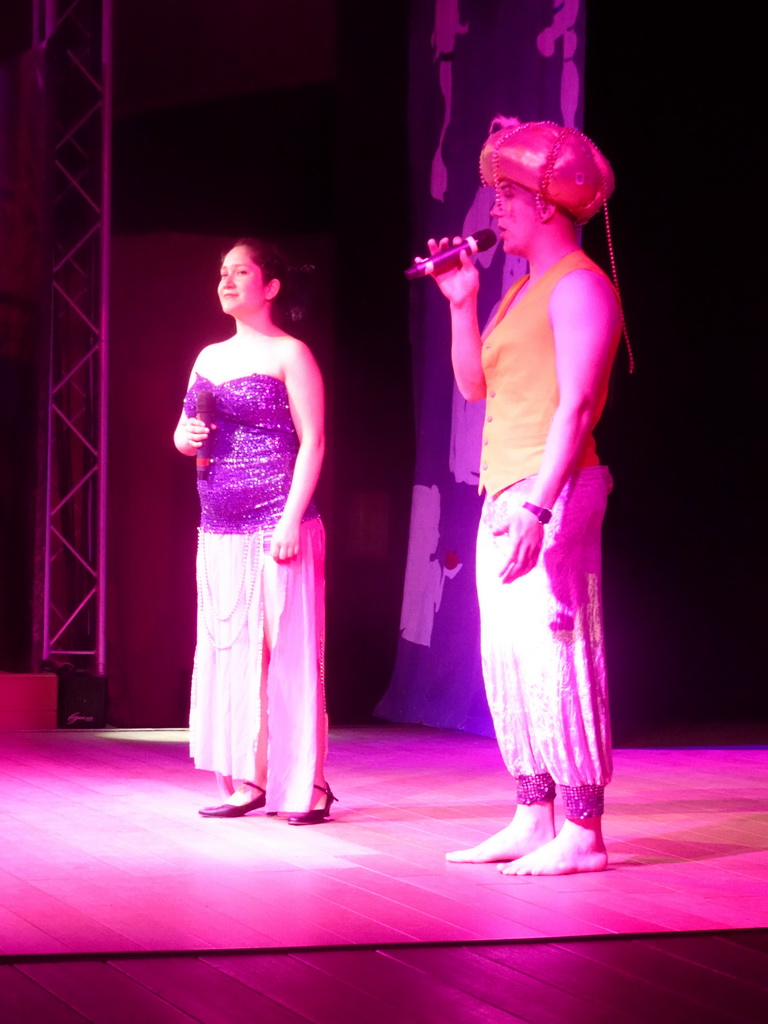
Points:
(292, 351)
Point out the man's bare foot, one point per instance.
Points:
(532, 827)
(577, 847)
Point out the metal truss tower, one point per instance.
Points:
(76, 38)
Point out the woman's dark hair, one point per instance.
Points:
(289, 305)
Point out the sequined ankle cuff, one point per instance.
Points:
(583, 801)
(535, 789)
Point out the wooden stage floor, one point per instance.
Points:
(103, 849)
(103, 854)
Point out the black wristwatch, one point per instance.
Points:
(542, 514)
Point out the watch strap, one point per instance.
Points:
(542, 514)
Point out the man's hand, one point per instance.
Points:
(459, 283)
(519, 543)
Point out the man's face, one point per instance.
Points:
(517, 216)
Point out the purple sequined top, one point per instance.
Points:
(252, 457)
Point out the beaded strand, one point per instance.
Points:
(203, 605)
(615, 277)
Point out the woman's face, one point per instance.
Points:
(242, 288)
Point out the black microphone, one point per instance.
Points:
(450, 258)
(206, 407)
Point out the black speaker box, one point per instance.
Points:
(82, 701)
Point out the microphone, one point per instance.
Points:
(206, 407)
(450, 258)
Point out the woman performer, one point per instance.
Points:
(257, 714)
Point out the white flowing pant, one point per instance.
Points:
(241, 589)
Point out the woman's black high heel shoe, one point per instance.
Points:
(316, 816)
(236, 810)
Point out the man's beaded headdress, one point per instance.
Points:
(561, 165)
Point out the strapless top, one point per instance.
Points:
(252, 455)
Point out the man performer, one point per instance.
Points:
(542, 367)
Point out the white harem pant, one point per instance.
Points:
(542, 644)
